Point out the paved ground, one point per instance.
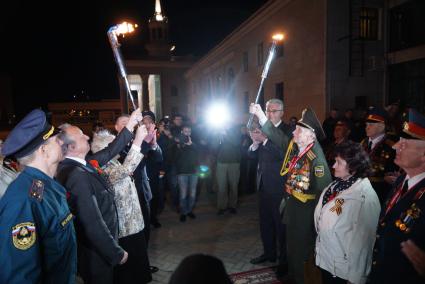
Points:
(235, 239)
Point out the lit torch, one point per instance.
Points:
(276, 38)
(113, 34)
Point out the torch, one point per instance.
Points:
(276, 38)
(113, 34)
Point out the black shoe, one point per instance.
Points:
(232, 210)
(262, 258)
(191, 215)
(221, 212)
(282, 270)
(182, 218)
(156, 224)
(153, 269)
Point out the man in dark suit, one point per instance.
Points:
(269, 186)
(399, 254)
(92, 202)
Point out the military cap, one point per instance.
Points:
(415, 125)
(376, 115)
(28, 135)
(309, 120)
(148, 113)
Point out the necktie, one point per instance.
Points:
(369, 146)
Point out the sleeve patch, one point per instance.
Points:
(23, 235)
(319, 171)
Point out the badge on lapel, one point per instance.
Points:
(319, 171)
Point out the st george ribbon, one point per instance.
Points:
(113, 33)
(276, 38)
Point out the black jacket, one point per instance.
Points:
(270, 159)
(91, 200)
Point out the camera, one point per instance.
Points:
(183, 138)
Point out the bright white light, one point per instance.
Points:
(218, 115)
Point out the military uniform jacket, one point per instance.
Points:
(310, 176)
(389, 264)
(91, 200)
(37, 237)
(382, 158)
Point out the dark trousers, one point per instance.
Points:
(272, 230)
(137, 265)
(328, 278)
(92, 268)
(146, 214)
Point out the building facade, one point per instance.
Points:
(332, 57)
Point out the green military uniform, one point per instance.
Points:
(305, 181)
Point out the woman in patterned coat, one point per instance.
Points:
(130, 218)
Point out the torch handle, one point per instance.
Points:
(263, 77)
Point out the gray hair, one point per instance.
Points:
(101, 140)
(276, 102)
(64, 137)
(30, 157)
(122, 115)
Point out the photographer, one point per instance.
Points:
(186, 163)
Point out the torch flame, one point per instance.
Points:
(278, 37)
(125, 28)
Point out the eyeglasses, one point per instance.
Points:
(273, 110)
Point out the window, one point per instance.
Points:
(260, 54)
(369, 23)
(245, 61)
(174, 91)
(279, 91)
(279, 49)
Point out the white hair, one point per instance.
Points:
(101, 139)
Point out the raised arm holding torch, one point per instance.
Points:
(113, 34)
(276, 38)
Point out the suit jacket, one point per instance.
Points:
(389, 264)
(270, 159)
(141, 179)
(91, 200)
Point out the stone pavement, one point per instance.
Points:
(235, 239)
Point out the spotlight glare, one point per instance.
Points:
(218, 115)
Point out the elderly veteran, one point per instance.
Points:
(378, 147)
(130, 219)
(37, 237)
(307, 175)
(399, 255)
(346, 218)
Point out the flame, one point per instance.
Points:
(278, 37)
(125, 28)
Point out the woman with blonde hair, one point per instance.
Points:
(130, 219)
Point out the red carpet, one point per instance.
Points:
(257, 276)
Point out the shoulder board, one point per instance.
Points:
(311, 155)
(36, 190)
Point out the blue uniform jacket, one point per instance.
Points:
(37, 237)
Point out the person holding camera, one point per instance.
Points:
(186, 163)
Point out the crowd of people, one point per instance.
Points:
(345, 195)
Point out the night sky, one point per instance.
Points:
(54, 50)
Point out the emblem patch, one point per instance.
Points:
(66, 220)
(23, 235)
(319, 171)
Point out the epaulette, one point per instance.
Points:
(311, 155)
(37, 189)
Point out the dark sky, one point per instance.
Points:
(53, 50)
